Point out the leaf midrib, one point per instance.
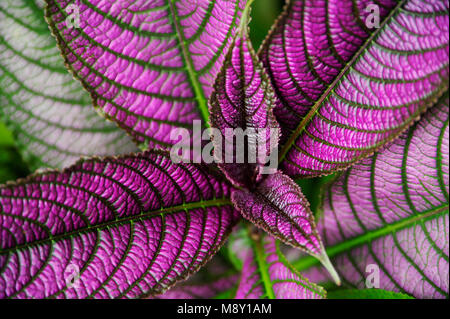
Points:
(200, 95)
(347, 245)
(302, 125)
(216, 202)
(263, 267)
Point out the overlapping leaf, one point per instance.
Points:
(278, 206)
(149, 65)
(214, 280)
(267, 274)
(243, 99)
(118, 227)
(346, 89)
(391, 212)
(48, 111)
(204, 290)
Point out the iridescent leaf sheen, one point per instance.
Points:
(267, 274)
(243, 99)
(346, 88)
(47, 110)
(391, 212)
(128, 226)
(149, 65)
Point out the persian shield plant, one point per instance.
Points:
(357, 89)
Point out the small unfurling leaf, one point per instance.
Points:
(241, 109)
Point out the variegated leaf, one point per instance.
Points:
(346, 86)
(149, 65)
(127, 226)
(48, 111)
(243, 100)
(386, 219)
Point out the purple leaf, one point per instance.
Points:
(267, 274)
(346, 89)
(149, 65)
(48, 111)
(391, 211)
(278, 206)
(129, 226)
(243, 99)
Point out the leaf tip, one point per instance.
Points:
(323, 258)
(245, 20)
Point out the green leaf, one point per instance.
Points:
(366, 294)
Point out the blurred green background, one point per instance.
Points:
(264, 13)
(11, 164)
